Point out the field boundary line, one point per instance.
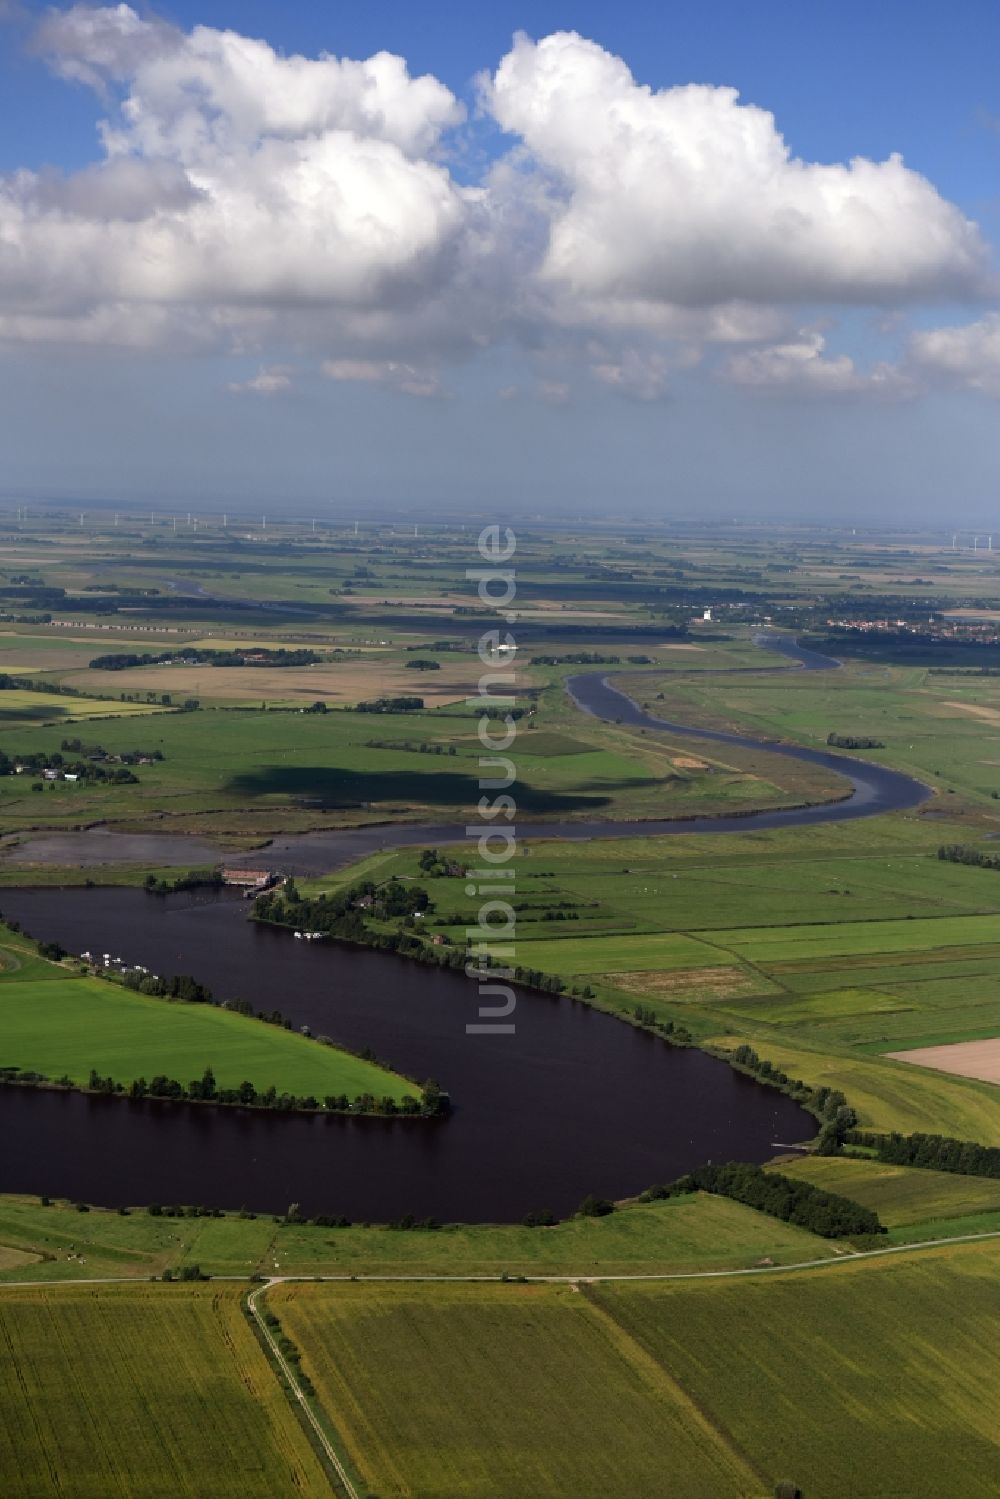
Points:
(299, 1393)
(653, 1370)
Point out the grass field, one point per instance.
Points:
(230, 776)
(60, 1024)
(877, 1378)
(826, 948)
(496, 1392)
(143, 1392)
(683, 1234)
(226, 769)
(889, 1095)
(901, 1195)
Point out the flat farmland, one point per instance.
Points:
(980, 1059)
(901, 1195)
(944, 729)
(878, 1377)
(757, 937)
(853, 939)
(498, 1392)
(348, 681)
(60, 1025)
(233, 765)
(591, 955)
(143, 1392)
(23, 706)
(887, 1095)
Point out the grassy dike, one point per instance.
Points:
(682, 1235)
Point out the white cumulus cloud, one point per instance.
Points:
(233, 176)
(641, 375)
(968, 354)
(280, 206)
(686, 196)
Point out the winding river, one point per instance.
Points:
(573, 1102)
(871, 789)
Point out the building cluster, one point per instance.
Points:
(977, 631)
(251, 881)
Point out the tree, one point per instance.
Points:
(595, 1207)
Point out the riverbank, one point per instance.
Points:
(574, 1103)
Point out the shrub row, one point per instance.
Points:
(932, 1152)
(799, 1202)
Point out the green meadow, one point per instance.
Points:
(875, 1376)
(823, 947)
(60, 1024)
(684, 1234)
(904, 1197)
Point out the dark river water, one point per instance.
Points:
(573, 1102)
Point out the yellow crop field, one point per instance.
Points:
(500, 1392)
(880, 1377)
(21, 707)
(347, 681)
(143, 1392)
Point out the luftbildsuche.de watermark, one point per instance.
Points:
(490, 944)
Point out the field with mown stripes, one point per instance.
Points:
(157, 1392)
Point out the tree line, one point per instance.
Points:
(960, 853)
(932, 1152)
(432, 1103)
(835, 1115)
(853, 741)
(122, 660)
(799, 1202)
(390, 705)
(343, 917)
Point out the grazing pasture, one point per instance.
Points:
(337, 682)
(887, 1095)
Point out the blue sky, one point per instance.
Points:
(509, 362)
